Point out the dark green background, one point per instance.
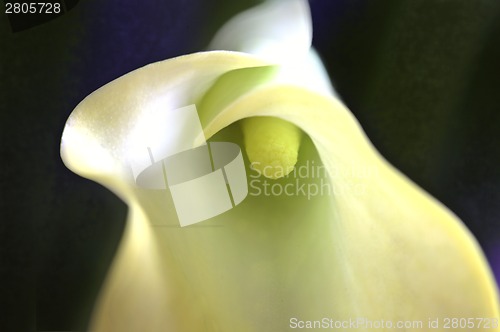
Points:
(422, 76)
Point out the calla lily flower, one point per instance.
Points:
(355, 240)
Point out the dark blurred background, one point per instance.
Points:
(422, 77)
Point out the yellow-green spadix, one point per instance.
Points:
(387, 252)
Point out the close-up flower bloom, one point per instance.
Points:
(253, 165)
(374, 246)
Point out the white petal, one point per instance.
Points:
(278, 31)
(388, 252)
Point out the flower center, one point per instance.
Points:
(272, 145)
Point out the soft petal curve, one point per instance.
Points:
(389, 252)
(405, 255)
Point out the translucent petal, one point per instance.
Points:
(403, 255)
(278, 30)
(377, 247)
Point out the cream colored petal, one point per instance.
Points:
(398, 253)
(378, 247)
(95, 139)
